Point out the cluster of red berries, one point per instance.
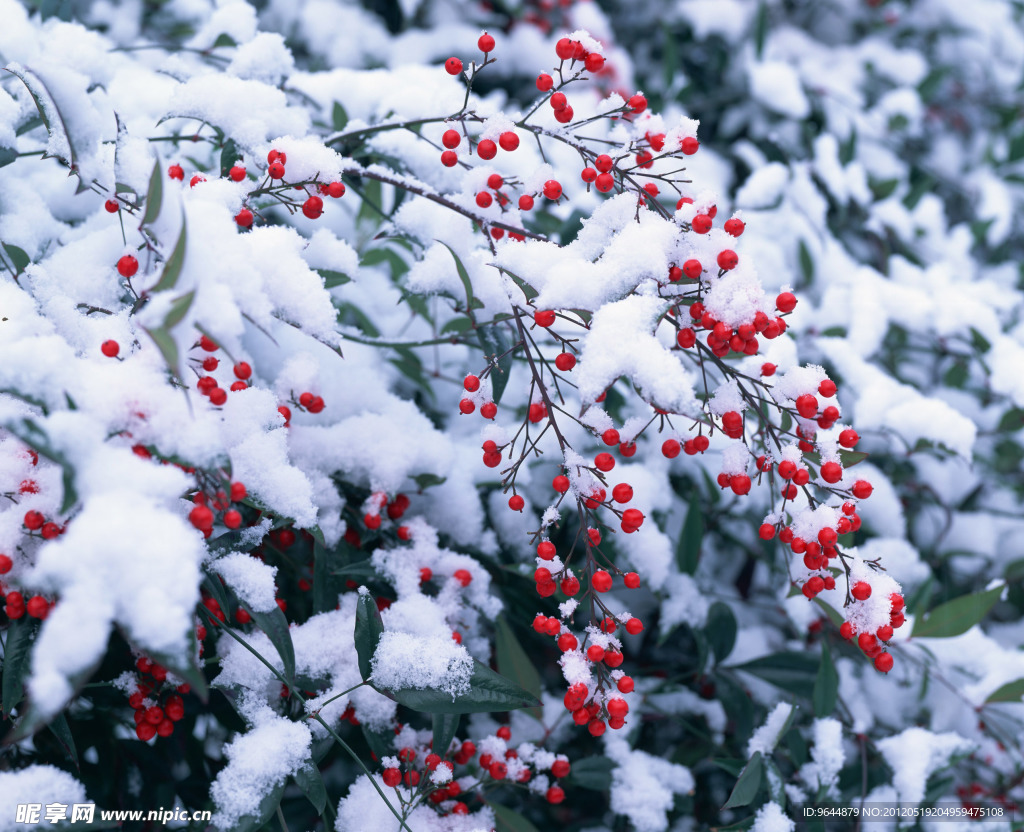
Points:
(15, 605)
(872, 643)
(152, 719)
(395, 509)
(488, 409)
(492, 768)
(35, 521)
(208, 386)
(203, 516)
(723, 339)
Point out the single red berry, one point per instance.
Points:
(596, 727)
(785, 302)
(145, 731)
(862, 489)
(637, 103)
(112, 206)
(604, 462)
(453, 66)
(555, 794)
(463, 576)
(488, 410)
(631, 580)
(276, 156)
(244, 218)
(276, 170)
(37, 607)
(634, 626)
(807, 406)
(544, 317)
(237, 173)
(509, 141)
(486, 149)
(313, 207)
(176, 172)
(701, 223)
(601, 581)
(565, 361)
(766, 532)
(884, 633)
(34, 520)
(728, 259)
(670, 448)
(552, 189)
(127, 265)
(218, 396)
(485, 43)
(392, 777)
(545, 82)
(690, 145)
(849, 438)
(471, 383)
(831, 472)
(883, 662)
(565, 49)
(560, 483)
(861, 590)
(232, 519)
(525, 202)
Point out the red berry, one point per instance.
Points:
(488, 410)
(728, 259)
(544, 317)
(861, 590)
(127, 265)
(276, 170)
(453, 66)
(637, 103)
(604, 462)
(276, 156)
(622, 493)
(555, 794)
(766, 532)
(862, 489)
(560, 483)
(232, 519)
(313, 207)
(485, 43)
(670, 448)
(595, 653)
(831, 472)
(110, 348)
(176, 172)
(546, 550)
(634, 626)
(565, 49)
(463, 576)
(237, 173)
(601, 581)
(596, 727)
(37, 607)
(734, 227)
(471, 383)
(145, 731)
(508, 141)
(689, 145)
(565, 361)
(392, 777)
(849, 438)
(545, 82)
(785, 302)
(701, 223)
(883, 662)
(112, 206)
(552, 189)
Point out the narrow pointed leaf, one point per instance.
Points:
(444, 728)
(489, 691)
(826, 685)
(745, 790)
(956, 617)
(154, 195)
(514, 663)
(172, 268)
(369, 628)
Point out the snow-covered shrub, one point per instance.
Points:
(287, 270)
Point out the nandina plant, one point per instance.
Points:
(249, 539)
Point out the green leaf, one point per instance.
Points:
(17, 649)
(339, 118)
(851, 458)
(37, 89)
(460, 324)
(311, 782)
(62, 731)
(513, 662)
(883, 189)
(721, 630)
(826, 685)
(224, 39)
(793, 672)
(172, 268)
(508, 820)
(369, 628)
(179, 308)
(18, 257)
(691, 537)
(494, 341)
(154, 195)
(745, 790)
(806, 263)
(275, 625)
(428, 480)
(444, 728)
(833, 614)
(467, 284)
(268, 805)
(957, 616)
(7, 155)
(488, 691)
(35, 437)
(228, 156)
(1010, 692)
(594, 773)
(528, 291)
(168, 348)
(760, 28)
(382, 743)
(333, 278)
